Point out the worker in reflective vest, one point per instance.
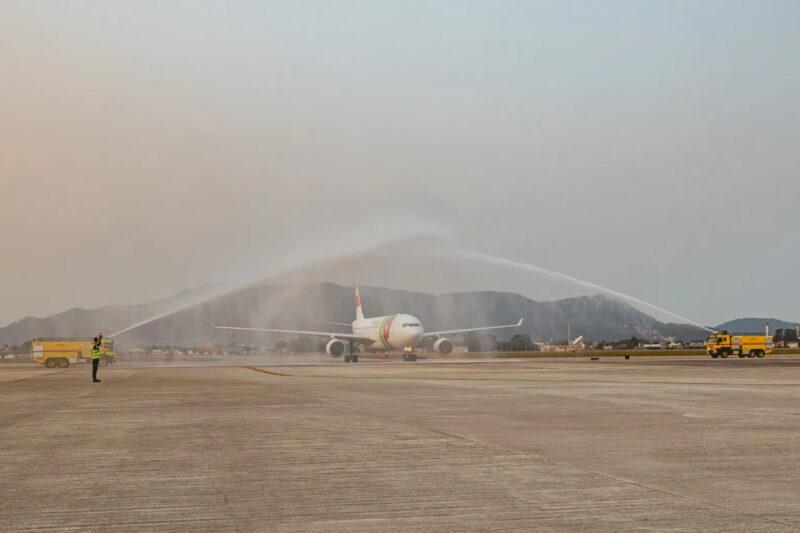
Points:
(96, 356)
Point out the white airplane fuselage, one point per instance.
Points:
(400, 332)
(392, 332)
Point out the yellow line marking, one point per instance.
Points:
(265, 371)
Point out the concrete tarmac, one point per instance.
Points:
(657, 444)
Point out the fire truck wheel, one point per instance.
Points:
(752, 353)
(760, 353)
(724, 354)
(63, 363)
(714, 355)
(50, 363)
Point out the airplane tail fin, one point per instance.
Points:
(357, 298)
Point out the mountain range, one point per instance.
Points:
(595, 317)
(755, 325)
(437, 283)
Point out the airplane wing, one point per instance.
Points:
(343, 336)
(485, 328)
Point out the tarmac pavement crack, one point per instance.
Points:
(700, 503)
(49, 407)
(216, 447)
(561, 463)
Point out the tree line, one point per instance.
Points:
(784, 335)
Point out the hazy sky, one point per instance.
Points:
(148, 147)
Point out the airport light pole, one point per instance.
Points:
(569, 338)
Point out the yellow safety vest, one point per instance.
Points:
(95, 352)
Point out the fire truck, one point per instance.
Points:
(724, 345)
(63, 352)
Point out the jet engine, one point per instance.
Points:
(443, 346)
(335, 348)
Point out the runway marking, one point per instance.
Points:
(265, 371)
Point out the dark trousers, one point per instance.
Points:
(95, 364)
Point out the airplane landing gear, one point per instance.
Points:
(351, 357)
(409, 357)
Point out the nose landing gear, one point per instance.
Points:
(411, 356)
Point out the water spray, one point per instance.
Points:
(533, 268)
(157, 317)
(283, 269)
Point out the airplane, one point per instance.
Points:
(400, 332)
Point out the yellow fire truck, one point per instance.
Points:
(724, 344)
(62, 352)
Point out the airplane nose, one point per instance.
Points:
(408, 339)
